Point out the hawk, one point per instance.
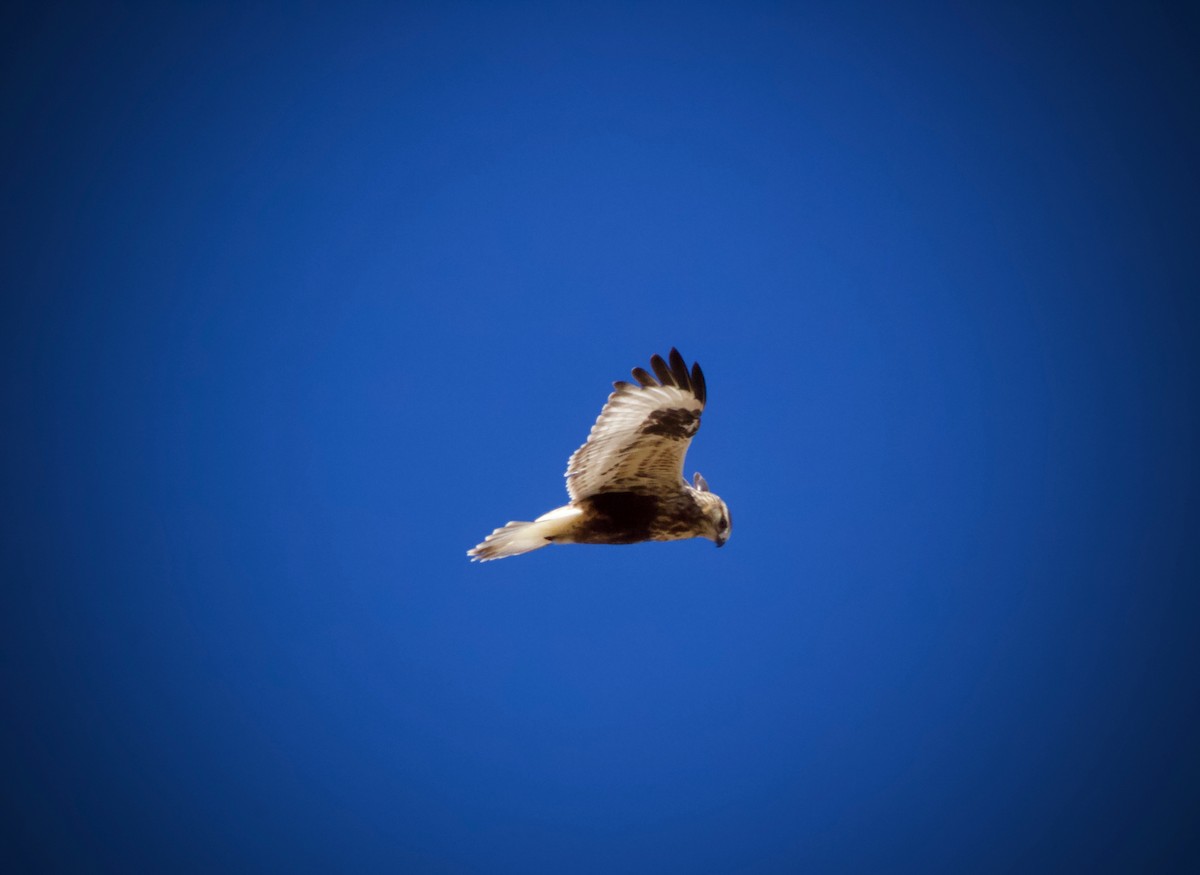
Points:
(626, 482)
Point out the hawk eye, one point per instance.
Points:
(722, 524)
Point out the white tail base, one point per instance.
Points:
(521, 537)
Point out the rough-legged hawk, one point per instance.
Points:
(626, 483)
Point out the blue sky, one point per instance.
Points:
(301, 302)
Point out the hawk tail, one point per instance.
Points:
(522, 537)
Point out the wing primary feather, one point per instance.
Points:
(643, 432)
(679, 370)
(644, 378)
(664, 373)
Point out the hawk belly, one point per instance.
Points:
(630, 517)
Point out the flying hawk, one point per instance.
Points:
(626, 483)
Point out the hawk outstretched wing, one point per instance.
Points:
(643, 432)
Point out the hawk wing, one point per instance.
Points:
(643, 432)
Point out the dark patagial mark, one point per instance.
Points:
(676, 423)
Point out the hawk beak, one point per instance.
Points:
(721, 542)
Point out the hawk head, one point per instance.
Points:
(717, 521)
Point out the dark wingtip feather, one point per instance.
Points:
(699, 389)
(643, 377)
(679, 370)
(621, 384)
(664, 373)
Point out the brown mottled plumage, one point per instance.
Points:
(626, 482)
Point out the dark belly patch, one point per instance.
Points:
(618, 518)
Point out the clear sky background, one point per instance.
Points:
(302, 300)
